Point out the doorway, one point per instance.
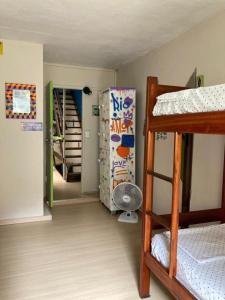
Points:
(69, 177)
(67, 143)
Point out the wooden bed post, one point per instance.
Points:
(188, 139)
(223, 192)
(175, 204)
(146, 219)
(144, 283)
(187, 171)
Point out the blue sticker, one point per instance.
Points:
(127, 140)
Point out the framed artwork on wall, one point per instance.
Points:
(20, 101)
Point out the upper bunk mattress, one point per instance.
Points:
(203, 99)
(200, 259)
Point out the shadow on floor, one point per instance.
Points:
(65, 190)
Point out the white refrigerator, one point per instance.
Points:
(117, 107)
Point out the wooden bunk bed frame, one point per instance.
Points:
(207, 122)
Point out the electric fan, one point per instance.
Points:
(127, 197)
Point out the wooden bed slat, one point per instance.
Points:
(208, 122)
(195, 217)
(162, 88)
(160, 176)
(160, 220)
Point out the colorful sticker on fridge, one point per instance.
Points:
(122, 135)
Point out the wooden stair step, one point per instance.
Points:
(73, 176)
(71, 127)
(68, 100)
(66, 93)
(71, 115)
(73, 148)
(69, 141)
(76, 133)
(68, 106)
(74, 173)
(72, 156)
(73, 164)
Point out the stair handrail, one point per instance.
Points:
(59, 119)
(60, 112)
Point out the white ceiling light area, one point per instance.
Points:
(100, 33)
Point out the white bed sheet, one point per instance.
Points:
(202, 99)
(206, 281)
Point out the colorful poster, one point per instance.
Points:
(20, 101)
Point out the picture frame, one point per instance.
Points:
(20, 101)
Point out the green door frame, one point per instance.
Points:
(49, 144)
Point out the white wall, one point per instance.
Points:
(21, 159)
(202, 47)
(78, 77)
(90, 165)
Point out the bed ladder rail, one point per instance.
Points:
(160, 176)
(160, 220)
(149, 217)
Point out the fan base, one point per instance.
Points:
(128, 217)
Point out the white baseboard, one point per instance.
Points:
(76, 201)
(46, 217)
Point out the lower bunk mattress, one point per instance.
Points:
(200, 259)
(203, 99)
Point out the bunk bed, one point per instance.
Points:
(161, 254)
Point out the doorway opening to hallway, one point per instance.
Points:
(67, 143)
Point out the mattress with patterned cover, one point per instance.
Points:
(200, 259)
(203, 99)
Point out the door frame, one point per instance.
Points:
(72, 87)
(49, 144)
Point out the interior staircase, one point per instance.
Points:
(72, 135)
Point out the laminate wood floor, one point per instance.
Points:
(83, 254)
(65, 190)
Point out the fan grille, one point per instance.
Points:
(127, 196)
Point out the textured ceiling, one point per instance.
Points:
(101, 33)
